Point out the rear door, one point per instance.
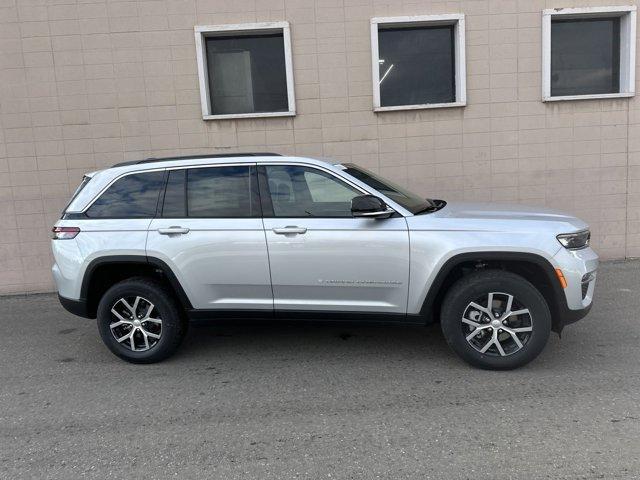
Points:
(323, 259)
(209, 231)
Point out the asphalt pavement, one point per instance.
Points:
(281, 401)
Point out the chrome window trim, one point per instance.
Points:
(360, 186)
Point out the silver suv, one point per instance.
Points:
(146, 246)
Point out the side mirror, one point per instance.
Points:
(370, 206)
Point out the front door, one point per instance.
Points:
(210, 233)
(321, 257)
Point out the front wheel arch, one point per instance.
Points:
(535, 268)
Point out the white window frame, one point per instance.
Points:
(455, 19)
(627, 16)
(202, 31)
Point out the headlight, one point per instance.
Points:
(575, 241)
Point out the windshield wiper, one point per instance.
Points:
(434, 206)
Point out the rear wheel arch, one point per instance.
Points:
(104, 272)
(533, 267)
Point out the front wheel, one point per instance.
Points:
(495, 320)
(140, 321)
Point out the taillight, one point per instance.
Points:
(64, 233)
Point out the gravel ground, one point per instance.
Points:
(280, 401)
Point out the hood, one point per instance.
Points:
(501, 217)
(503, 211)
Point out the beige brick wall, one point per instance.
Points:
(85, 84)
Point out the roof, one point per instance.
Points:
(196, 157)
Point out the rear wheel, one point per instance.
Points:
(495, 320)
(140, 321)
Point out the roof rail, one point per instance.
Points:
(196, 157)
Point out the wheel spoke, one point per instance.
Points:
(153, 320)
(123, 338)
(120, 317)
(519, 312)
(499, 346)
(490, 304)
(471, 322)
(509, 303)
(476, 331)
(152, 335)
(480, 307)
(515, 338)
(521, 329)
(133, 340)
(118, 323)
(146, 339)
(135, 306)
(148, 314)
(129, 307)
(487, 345)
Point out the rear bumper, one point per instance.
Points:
(77, 307)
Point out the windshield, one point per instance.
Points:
(409, 200)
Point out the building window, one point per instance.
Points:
(588, 53)
(418, 62)
(245, 70)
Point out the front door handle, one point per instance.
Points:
(290, 230)
(173, 230)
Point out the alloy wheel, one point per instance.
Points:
(497, 325)
(137, 324)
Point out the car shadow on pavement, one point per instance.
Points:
(251, 337)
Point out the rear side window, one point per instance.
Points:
(132, 196)
(175, 200)
(211, 192)
(220, 192)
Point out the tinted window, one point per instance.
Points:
(409, 200)
(417, 65)
(174, 196)
(133, 196)
(247, 73)
(219, 192)
(585, 56)
(307, 192)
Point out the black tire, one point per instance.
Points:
(173, 327)
(478, 285)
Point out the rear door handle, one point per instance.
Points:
(290, 230)
(173, 230)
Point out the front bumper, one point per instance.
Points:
(577, 266)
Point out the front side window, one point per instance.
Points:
(245, 71)
(297, 191)
(132, 196)
(587, 53)
(418, 62)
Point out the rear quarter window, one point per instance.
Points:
(132, 196)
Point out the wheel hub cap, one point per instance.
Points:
(497, 324)
(136, 323)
